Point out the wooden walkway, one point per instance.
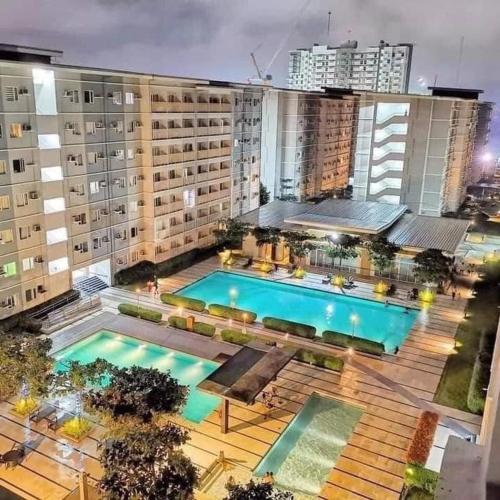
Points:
(371, 465)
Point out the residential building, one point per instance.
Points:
(482, 160)
(379, 68)
(102, 169)
(307, 142)
(415, 149)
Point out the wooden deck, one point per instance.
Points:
(371, 466)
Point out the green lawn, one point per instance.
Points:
(483, 315)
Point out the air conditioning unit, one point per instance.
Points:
(116, 182)
(102, 184)
(139, 151)
(104, 212)
(38, 259)
(23, 91)
(34, 195)
(140, 177)
(120, 261)
(105, 239)
(69, 126)
(142, 252)
(37, 227)
(141, 203)
(26, 127)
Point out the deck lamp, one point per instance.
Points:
(138, 292)
(354, 320)
(245, 316)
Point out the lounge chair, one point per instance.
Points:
(42, 413)
(391, 291)
(248, 263)
(414, 294)
(57, 422)
(327, 279)
(13, 457)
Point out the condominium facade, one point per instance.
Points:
(306, 142)
(415, 150)
(379, 68)
(481, 159)
(101, 169)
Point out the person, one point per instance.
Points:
(150, 286)
(271, 478)
(267, 478)
(408, 295)
(453, 294)
(396, 350)
(276, 267)
(386, 302)
(231, 483)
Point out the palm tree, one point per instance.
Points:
(230, 232)
(342, 247)
(382, 252)
(265, 236)
(299, 244)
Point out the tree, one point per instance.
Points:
(382, 252)
(256, 491)
(264, 195)
(342, 247)
(78, 378)
(432, 266)
(136, 395)
(231, 232)
(148, 464)
(299, 244)
(265, 236)
(25, 366)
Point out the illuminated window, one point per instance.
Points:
(49, 141)
(57, 235)
(8, 270)
(54, 205)
(50, 174)
(45, 91)
(58, 265)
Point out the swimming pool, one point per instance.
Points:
(125, 351)
(325, 310)
(303, 456)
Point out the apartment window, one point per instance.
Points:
(1, 132)
(90, 128)
(129, 98)
(49, 141)
(119, 154)
(73, 96)
(96, 215)
(59, 265)
(132, 181)
(134, 232)
(28, 263)
(117, 98)
(24, 232)
(94, 187)
(18, 166)
(133, 206)
(91, 158)
(30, 294)
(97, 243)
(22, 199)
(8, 270)
(6, 236)
(88, 96)
(50, 174)
(157, 177)
(57, 235)
(189, 198)
(54, 205)
(11, 94)
(16, 130)
(130, 154)
(134, 256)
(117, 126)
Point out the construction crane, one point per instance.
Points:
(264, 77)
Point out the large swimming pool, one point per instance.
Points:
(125, 351)
(325, 310)
(304, 454)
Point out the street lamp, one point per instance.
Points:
(138, 292)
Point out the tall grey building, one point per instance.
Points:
(381, 68)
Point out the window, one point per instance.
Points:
(189, 198)
(11, 94)
(132, 180)
(57, 235)
(53, 205)
(1, 132)
(24, 232)
(119, 154)
(73, 96)
(45, 91)
(30, 294)
(22, 199)
(8, 270)
(130, 154)
(134, 232)
(90, 128)
(94, 187)
(92, 158)
(129, 97)
(117, 98)
(6, 236)
(49, 141)
(88, 96)
(16, 130)
(96, 215)
(133, 206)
(50, 174)
(28, 263)
(97, 243)
(18, 166)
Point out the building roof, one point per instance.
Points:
(420, 231)
(366, 217)
(242, 377)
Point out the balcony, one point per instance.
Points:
(172, 107)
(176, 229)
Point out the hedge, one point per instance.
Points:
(282, 325)
(236, 336)
(145, 270)
(357, 343)
(418, 478)
(476, 395)
(139, 312)
(322, 360)
(185, 302)
(178, 322)
(423, 437)
(231, 313)
(204, 329)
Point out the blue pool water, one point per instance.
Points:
(125, 351)
(325, 310)
(305, 453)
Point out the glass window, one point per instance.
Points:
(117, 97)
(50, 174)
(49, 141)
(28, 263)
(189, 198)
(8, 270)
(45, 91)
(57, 235)
(129, 97)
(58, 265)
(53, 205)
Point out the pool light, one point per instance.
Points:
(329, 309)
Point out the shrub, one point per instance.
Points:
(140, 312)
(76, 428)
(231, 313)
(236, 336)
(299, 273)
(25, 406)
(338, 280)
(420, 478)
(204, 329)
(476, 395)
(178, 322)
(283, 325)
(140, 272)
(329, 362)
(381, 288)
(421, 443)
(362, 345)
(185, 302)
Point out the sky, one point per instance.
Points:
(214, 38)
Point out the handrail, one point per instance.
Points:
(67, 312)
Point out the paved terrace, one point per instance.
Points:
(371, 465)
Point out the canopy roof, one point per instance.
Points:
(242, 377)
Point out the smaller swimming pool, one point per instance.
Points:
(125, 351)
(303, 456)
